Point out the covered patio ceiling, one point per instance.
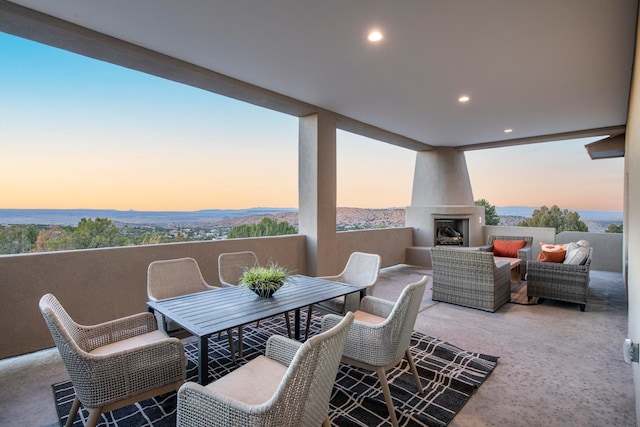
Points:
(547, 70)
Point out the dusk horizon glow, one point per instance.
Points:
(83, 134)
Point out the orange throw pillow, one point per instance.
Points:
(551, 253)
(557, 256)
(507, 248)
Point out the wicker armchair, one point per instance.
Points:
(289, 386)
(525, 254)
(362, 269)
(563, 282)
(470, 278)
(231, 266)
(381, 334)
(174, 277)
(117, 363)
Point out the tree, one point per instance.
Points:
(54, 238)
(490, 215)
(266, 227)
(98, 233)
(17, 239)
(613, 228)
(561, 220)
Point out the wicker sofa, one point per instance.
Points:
(524, 254)
(563, 282)
(470, 278)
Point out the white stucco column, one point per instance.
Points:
(317, 191)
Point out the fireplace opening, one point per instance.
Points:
(451, 232)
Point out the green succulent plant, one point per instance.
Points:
(264, 281)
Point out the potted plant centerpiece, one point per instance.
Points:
(264, 281)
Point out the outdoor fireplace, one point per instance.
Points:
(451, 232)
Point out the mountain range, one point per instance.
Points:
(391, 217)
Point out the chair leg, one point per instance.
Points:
(382, 376)
(232, 347)
(240, 340)
(94, 415)
(306, 329)
(73, 412)
(414, 371)
(286, 318)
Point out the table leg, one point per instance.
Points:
(203, 360)
(297, 325)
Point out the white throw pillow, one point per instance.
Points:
(577, 252)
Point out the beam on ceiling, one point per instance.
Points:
(608, 148)
(586, 133)
(373, 132)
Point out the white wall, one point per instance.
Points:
(632, 214)
(607, 248)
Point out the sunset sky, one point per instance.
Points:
(79, 133)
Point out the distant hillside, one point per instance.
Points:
(167, 219)
(346, 218)
(527, 211)
(595, 226)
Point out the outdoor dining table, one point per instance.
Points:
(206, 313)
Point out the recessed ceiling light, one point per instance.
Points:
(375, 36)
(464, 98)
(509, 130)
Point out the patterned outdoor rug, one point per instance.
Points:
(449, 376)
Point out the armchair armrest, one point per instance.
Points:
(486, 248)
(282, 349)
(209, 407)
(525, 253)
(128, 372)
(377, 306)
(329, 321)
(365, 341)
(117, 330)
(503, 275)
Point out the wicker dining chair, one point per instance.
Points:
(181, 276)
(289, 386)
(362, 269)
(114, 364)
(231, 266)
(380, 336)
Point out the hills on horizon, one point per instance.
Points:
(391, 216)
(527, 212)
(167, 218)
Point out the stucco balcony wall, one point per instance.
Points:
(97, 285)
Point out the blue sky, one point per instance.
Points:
(80, 133)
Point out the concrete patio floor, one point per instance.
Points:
(558, 366)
